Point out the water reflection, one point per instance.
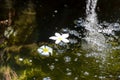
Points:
(90, 53)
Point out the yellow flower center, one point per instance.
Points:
(60, 38)
(45, 50)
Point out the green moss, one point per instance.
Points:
(24, 27)
(68, 65)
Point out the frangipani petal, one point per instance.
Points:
(47, 47)
(40, 50)
(53, 38)
(45, 53)
(42, 47)
(65, 35)
(65, 40)
(57, 34)
(51, 51)
(57, 41)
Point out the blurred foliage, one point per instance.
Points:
(24, 28)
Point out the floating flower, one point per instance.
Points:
(58, 38)
(45, 50)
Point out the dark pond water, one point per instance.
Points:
(59, 39)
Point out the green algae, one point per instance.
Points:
(57, 67)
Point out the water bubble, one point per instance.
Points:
(112, 57)
(8, 32)
(20, 59)
(116, 26)
(56, 11)
(60, 51)
(108, 63)
(75, 33)
(110, 75)
(14, 33)
(67, 69)
(51, 67)
(65, 5)
(108, 31)
(76, 78)
(92, 54)
(119, 76)
(72, 32)
(102, 77)
(79, 22)
(56, 60)
(30, 60)
(86, 73)
(95, 76)
(67, 59)
(68, 72)
(40, 5)
(76, 59)
(118, 47)
(47, 78)
(75, 26)
(97, 61)
(62, 44)
(73, 41)
(48, 64)
(34, 78)
(53, 15)
(78, 54)
(65, 29)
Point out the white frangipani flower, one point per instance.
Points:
(45, 50)
(58, 38)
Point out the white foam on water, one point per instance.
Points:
(95, 40)
(95, 37)
(90, 11)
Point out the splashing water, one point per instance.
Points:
(95, 37)
(90, 11)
